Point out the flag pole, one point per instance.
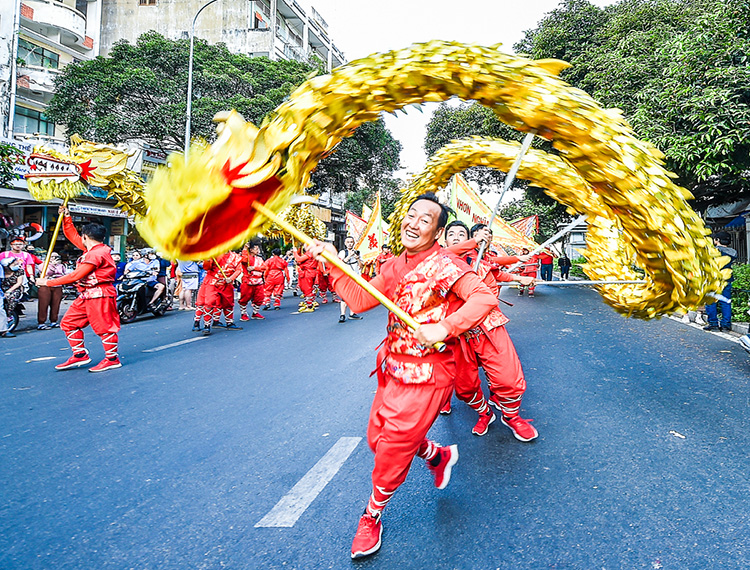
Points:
(509, 179)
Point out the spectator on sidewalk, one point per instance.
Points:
(188, 271)
(28, 260)
(564, 265)
(722, 241)
(545, 265)
(12, 283)
(4, 332)
(50, 297)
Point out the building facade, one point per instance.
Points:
(277, 29)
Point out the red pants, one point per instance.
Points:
(493, 351)
(254, 294)
(220, 296)
(200, 300)
(306, 281)
(100, 313)
(400, 417)
(274, 287)
(323, 284)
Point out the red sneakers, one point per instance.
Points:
(244, 317)
(367, 539)
(106, 364)
(521, 428)
(442, 472)
(258, 316)
(75, 361)
(445, 410)
(483, 423)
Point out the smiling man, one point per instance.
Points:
(414, 379)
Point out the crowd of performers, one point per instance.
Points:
(454, 305)
(437, 286)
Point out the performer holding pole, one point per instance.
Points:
(488, 345)
(444, 298)
(96, 304)
(509, 179)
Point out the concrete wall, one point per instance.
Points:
(7, 55)
(223, 21)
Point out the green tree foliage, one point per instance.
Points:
(449, 123)
(389, 195)
(536, 202)
(139, 90)
(366, 160)
(679, 69)
(9, 157)
(741, 292)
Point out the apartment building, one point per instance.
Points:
(38, 38)
(278, 29)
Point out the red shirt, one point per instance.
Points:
(545, 258)
(275, 267)
(95, 269)
(470, 300)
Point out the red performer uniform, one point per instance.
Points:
(490, 346)
(307, 271)
(95, 305)
(251, 289)
(529, 269)
(275, 270)
(380, 260)
(220, 276)
(414, 381)
(322, 281)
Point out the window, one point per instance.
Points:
(147, 2)
(30, 122)
(33, 54)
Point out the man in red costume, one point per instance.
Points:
(220, 276)
(307, 271)
(490, 346)
(529, 269)
(414, 379)
(275, 270)
(384, 255)
(252, 289)
(321, 280)
(96, 304)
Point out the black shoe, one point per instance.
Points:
(712, 328)
(266, 307)
(277, 308)
(196, 326)
(206, 330)
(219, 324)
(355, 317)
(342, 319)
(233, 327)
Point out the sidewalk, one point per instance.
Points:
(28, 321)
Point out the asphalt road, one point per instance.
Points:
(171, 461)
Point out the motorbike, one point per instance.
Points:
(134, 294)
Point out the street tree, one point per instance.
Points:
(680, 71)
(138, 92)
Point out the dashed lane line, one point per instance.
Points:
(291, 506)
(173, 344)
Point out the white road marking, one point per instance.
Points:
(41, 358)
(173, 344)
(295, 502)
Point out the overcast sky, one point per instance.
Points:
(359, 28)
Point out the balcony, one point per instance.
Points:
(44, 16)
(40, 81)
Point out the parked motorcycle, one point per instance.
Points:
(134, 294)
